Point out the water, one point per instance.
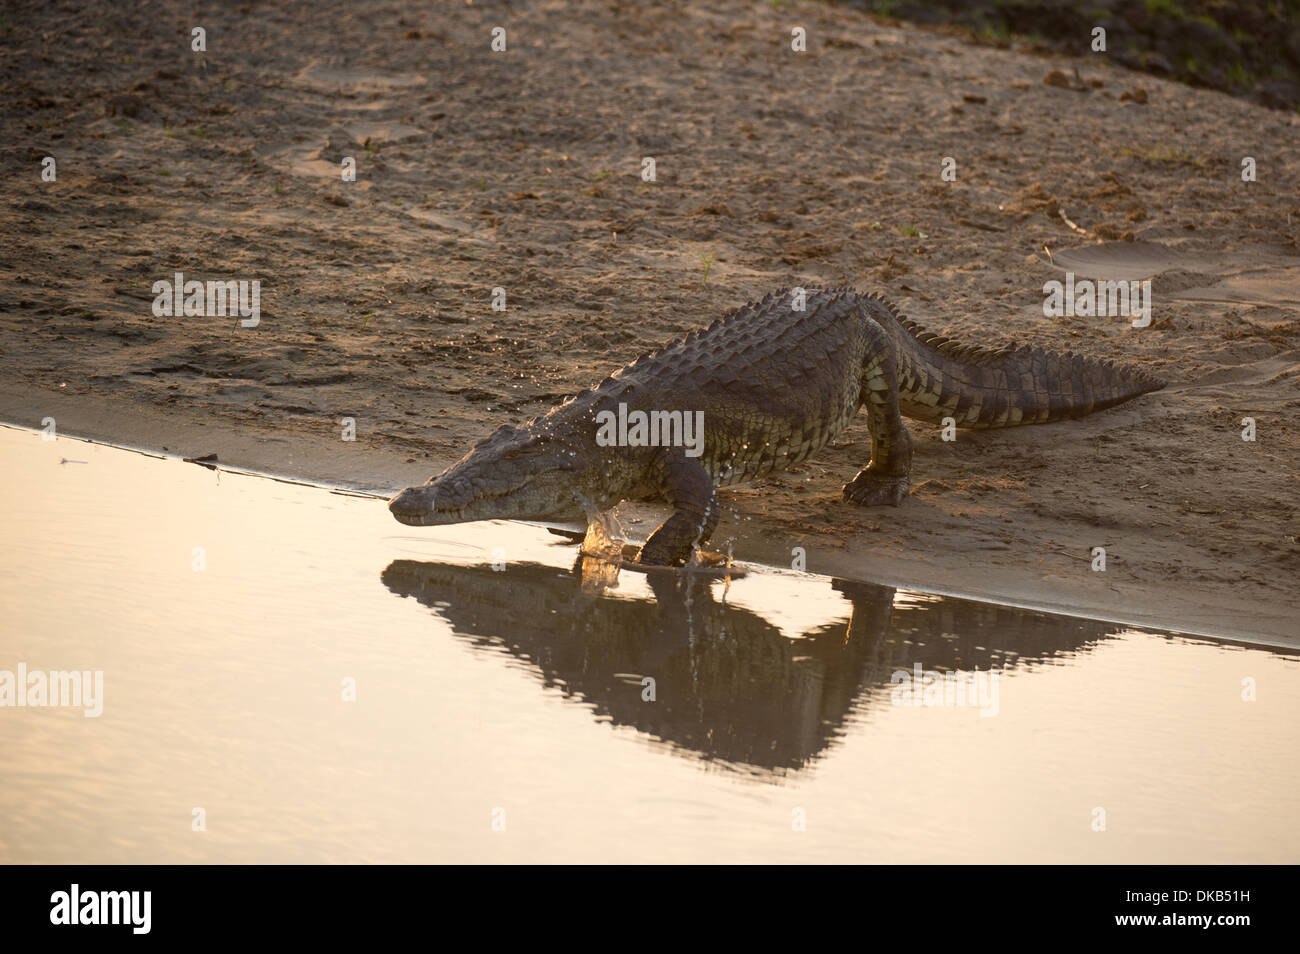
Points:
(485, 696)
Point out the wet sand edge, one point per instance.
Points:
(954, 569)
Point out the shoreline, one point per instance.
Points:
(373, 469)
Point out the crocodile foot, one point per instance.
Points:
(659, 556)
(873, 490)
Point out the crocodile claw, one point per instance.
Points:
(873, 490)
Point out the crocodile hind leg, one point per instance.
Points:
(885, 479)
(689, 490)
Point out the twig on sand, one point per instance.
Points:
(1061, 213)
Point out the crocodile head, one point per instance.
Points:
(514, 474)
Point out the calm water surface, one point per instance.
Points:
(517, 697)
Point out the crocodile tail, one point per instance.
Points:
(982, 387)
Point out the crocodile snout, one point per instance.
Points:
(413, 506)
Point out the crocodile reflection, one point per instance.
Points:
(729, 687)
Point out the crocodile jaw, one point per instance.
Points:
(416, 507)
(424, 506)
(420, 507)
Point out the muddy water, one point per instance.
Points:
(233, 617)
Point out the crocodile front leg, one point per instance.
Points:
(688, 488)
(885, 480)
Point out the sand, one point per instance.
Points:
(522, 171)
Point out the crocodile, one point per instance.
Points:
(772, 383)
